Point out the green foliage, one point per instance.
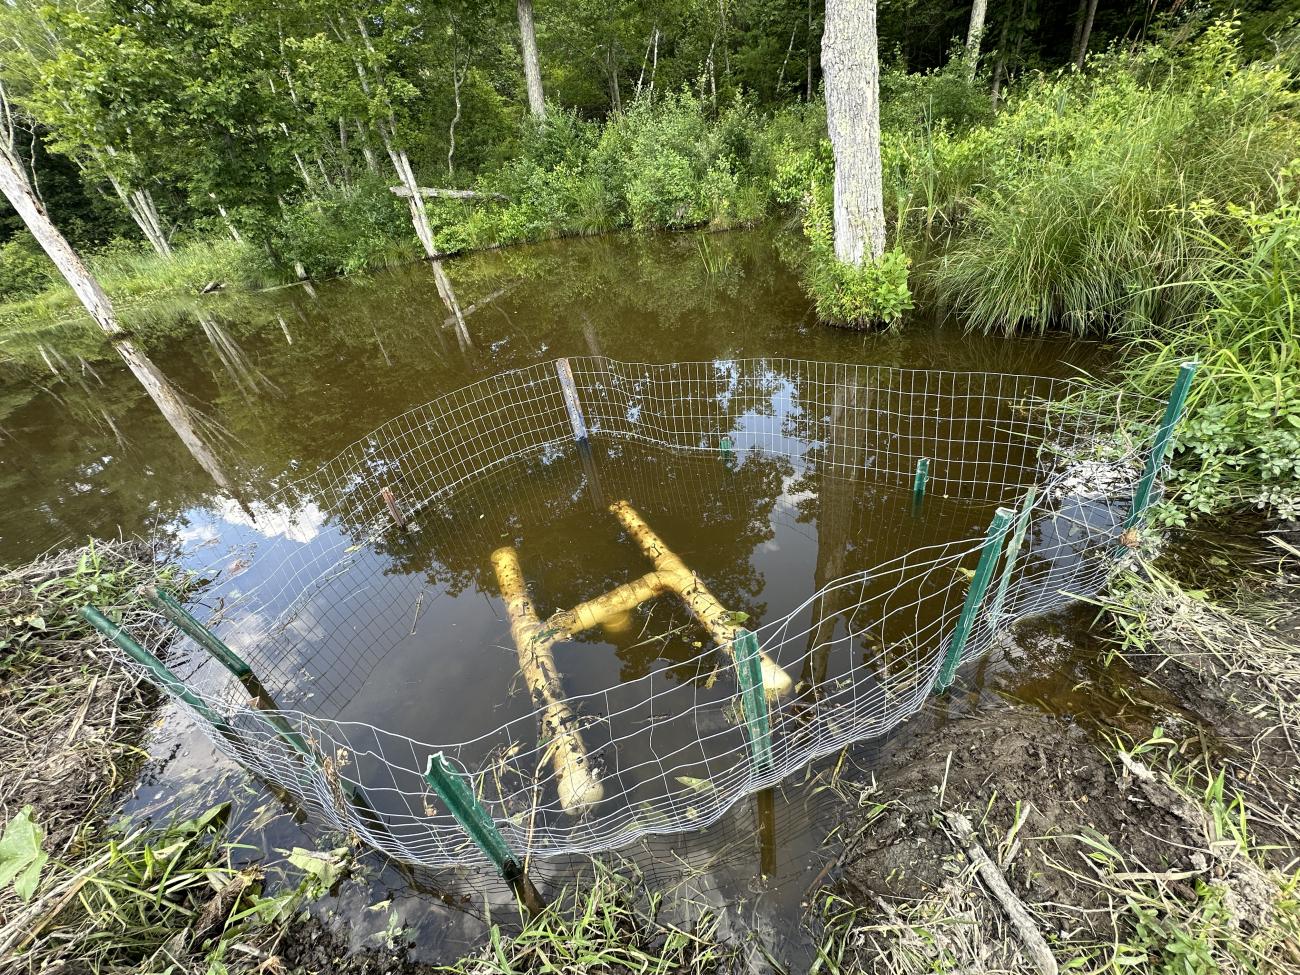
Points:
(946, 96)
(347, 230)
(24, 269)
(21, 856)
(858, 297)
(1240, 443)
(1074, 207)
(604, 929)
(666, 163)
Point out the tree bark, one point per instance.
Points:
(532, 70)
(1000, 66)
(1085, 35)
(851, 71)
(17, 190)
(975, 35)
(405, 191)
(457, 76)
(808, 94)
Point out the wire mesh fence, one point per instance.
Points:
(671, 744)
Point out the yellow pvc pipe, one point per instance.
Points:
(619, 601)
(704, 606)
(577, 780)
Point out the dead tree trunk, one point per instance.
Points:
(1000, 66)
(808, 93)
(18, 191)
(144, 212)
(230, 226)
(975, 35)
(851, 69)
(532, 69)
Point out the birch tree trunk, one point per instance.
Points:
(17, 190)
(144, 212)
(532, 70)
(230, 225)
(851, 72)
(975, 35)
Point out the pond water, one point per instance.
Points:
(413, 636)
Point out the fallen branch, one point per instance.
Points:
(405, 193)
(1026, 929)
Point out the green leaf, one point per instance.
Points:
(322, 868)
(21, 856)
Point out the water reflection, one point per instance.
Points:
(368, 348)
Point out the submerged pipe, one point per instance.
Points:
(704, 606)
(578, 782)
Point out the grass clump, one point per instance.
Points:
(1240, 443)
(147, 900)
(604, 931)
(1075, 207)
(133, 274)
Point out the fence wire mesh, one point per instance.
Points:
(755, 450)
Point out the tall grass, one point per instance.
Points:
(1076, 207)
(132, 274)
(1241, 441)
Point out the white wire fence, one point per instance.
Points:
(673, 746)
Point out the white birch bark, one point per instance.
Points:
(139, 204)
(851, 73)
(17, 190)
(532, 69)
(975, 35)
(419, 217)
(230, 226)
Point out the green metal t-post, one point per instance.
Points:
(918, 483)
(167, 604)
(749, 674)
(156, 667)
(461, 802)
(989, 555)
(209, 641)
(1013, 550)
(1160, 446)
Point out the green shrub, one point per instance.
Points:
(944, 96)
(24, 268)
(857, 297)
(1240, 443)
(352, 229)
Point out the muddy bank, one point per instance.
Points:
(1142, 812)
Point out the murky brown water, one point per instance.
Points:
(413, 638)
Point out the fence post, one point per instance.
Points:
(166, 604)
(1013, 551)
(461, 802)
(209, 641)
(918, 483)
(1160, 446)
(569, 389)
(753, 698)
(156, 667)
(989, 554)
